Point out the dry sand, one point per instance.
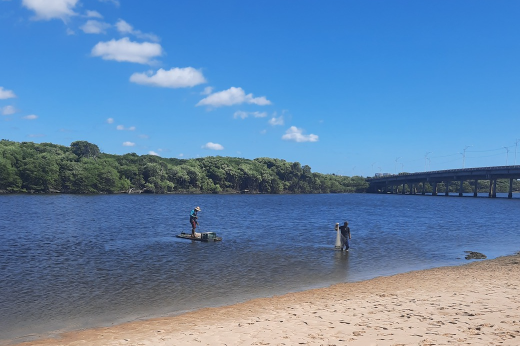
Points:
(473, 304)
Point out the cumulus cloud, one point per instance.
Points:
(173, 78)
(207, 90)
(122, 128)
(125, 28)
(93, 14)
(296, 134)
(243, 115)
(151, 152)
(8, 110)
(31, 117)
(94, 27)
(128, 144)
(6, 94)
(110, 120)
(50, 9)
(274, 121)
(232, 96)
(126, 50)
(212, 146)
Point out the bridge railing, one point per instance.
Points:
(456, 170)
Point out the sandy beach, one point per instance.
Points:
(473, 304)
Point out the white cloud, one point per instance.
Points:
(36, 135)
(128, 144)
(70, 32)
(115, 2)
(181, 155)
(126, 50)
(240, 114)
(31, 117)
(274, 121)
(125, 28)
(232, 96)
(110, 120)
(207, 90)
(296, 134)
(144, 136)
(8, 110)
(94, 27)
(243, 115)
(93, 14)
(259, 114)
(6, 94)
(151, 152)
(212, 146)
(122, 128)
(50, 9)
(174, 78)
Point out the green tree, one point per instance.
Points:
(85, 149)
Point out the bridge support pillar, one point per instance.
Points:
(447, 192)
(423, 188)
(490, 187)
(475, 192)
(494, 194)
(510, 194)
(434, 191)
(404, 190)
(461, 188)
(412, 189)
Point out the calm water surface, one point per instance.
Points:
(70, 262)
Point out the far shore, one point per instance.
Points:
(472, 304)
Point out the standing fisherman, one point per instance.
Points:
(193, 220)
(345, 236)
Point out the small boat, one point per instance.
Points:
(204, 236)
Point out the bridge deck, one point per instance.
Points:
(481, 173)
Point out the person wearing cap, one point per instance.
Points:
(345, 236)
(193, 220)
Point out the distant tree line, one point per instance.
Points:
(82, 168)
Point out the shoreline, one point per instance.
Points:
(474, 303)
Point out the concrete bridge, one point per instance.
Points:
(417, 181)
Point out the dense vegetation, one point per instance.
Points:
(82, 168)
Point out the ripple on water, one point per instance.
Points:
(81, 261)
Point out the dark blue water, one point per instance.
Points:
(71, 262)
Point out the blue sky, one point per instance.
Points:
(346, 87)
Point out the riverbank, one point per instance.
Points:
(473, 304)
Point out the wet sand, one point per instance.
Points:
(473, 304)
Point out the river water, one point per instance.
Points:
(69, 262)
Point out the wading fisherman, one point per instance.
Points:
(193, 220)
(345, 236)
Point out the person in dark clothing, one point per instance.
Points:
(193, 220)
(345, 236)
